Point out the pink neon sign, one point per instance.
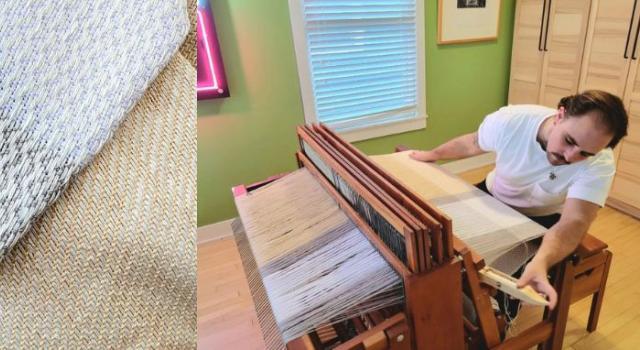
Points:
(212, 82)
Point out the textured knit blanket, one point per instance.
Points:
(69, 73)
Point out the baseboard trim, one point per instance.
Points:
(215, 231)
(471, 163)
(623, 207)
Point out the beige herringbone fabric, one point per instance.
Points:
(112, 264)
(188, 49)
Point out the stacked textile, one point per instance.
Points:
(70, 72)
(111, 263)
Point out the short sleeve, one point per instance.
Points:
(491, 129)
(594, 183)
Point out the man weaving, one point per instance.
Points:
(554, 166)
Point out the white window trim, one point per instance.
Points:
(362, 131)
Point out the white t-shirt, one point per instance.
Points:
(524, 179)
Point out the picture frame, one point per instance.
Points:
(212, 80)
(463, 21)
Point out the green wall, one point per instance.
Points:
(251, 135)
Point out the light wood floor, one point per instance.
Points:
(226, 316)
(227, 319)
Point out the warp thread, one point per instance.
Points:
(315, 264)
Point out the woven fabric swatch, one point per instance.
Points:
(190, 51)
(69, 73)
(112, 263)
(493, 229)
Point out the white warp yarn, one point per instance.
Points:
(69, 73)
(316, 265)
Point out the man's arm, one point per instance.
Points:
(560, 241)
(461, 147)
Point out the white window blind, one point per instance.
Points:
(360, 62)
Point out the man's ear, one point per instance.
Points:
(561, 115)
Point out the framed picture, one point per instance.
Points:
(461, 21)
(212, 81)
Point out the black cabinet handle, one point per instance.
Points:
(544, 6)
(546, 31)
(626, 43)
(635, 43)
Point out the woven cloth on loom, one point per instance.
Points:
(69, 73)
(493, 229)
(111, 264)
(316, 265)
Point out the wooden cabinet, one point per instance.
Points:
(548, 44)
(608, 46)
(561, 47)
(611, 64)
(564, 47)
(527, 51)
(625, 191)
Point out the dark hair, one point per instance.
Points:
(611, 112)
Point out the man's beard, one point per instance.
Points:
(556, 159)
(553, 158)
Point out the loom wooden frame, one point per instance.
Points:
(415, 205)
(437, 312)
(427, 311)
(438, 307)
(423, 261)
(432, 226)
(399, 223)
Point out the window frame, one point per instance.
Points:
(365, 127)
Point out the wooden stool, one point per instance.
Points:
(581, 275)
(592, 262)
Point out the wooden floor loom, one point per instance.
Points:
(436, 268)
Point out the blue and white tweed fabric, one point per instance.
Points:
(69, 73)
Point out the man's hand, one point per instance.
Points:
(535, 275)
(424, 156)
(561, 239)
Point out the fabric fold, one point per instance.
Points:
(112, 263)
(69, 73)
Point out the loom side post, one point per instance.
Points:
(481, 302)
(434, 307)
(563, 282)
(302, 343)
